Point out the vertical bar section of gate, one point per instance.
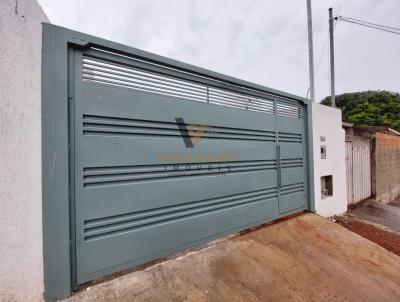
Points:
(358, 169)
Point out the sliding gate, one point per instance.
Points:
(164, 159)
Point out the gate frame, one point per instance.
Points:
(57, 99)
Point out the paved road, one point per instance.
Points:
(387, 215)
(305, 258)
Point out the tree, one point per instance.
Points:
(378, 108)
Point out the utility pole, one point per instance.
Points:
(310, 51)
(332, 58)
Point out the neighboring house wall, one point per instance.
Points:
(21, 264)
(387, 167)
(385, 160)
(328, 133)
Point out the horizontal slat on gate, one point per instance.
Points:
(106, 176)
(292, 175)
(174, 234)
(108, 151)
(103, 125)
(291, 150)
(289, 125)
(106, 201)
(108, 101)
(291, 202)
(132, 221)
(288, 109)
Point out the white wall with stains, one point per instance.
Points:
(328, 132)
(21, 264)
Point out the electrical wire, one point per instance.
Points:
(385, 28)
(321, 56)
(390, 29)
(374, 24)
(323, 50)
(378, 28)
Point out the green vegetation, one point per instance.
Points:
(369, 108)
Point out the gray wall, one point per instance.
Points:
(21, 264)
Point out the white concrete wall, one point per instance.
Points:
(21, 264)
(327, 124)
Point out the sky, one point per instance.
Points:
(262, 41)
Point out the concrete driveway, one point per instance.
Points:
(305, 258)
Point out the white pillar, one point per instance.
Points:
(329, 136)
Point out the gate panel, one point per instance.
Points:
(159, 169)
(358, 169)
(290, 135)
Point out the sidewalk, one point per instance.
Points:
(377, 222)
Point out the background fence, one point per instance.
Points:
(358, 169)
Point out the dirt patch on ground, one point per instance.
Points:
(386, 239)
(306, 258)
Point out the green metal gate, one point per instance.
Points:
(163, 162)
(164, 156)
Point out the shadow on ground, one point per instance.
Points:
(305, 258)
